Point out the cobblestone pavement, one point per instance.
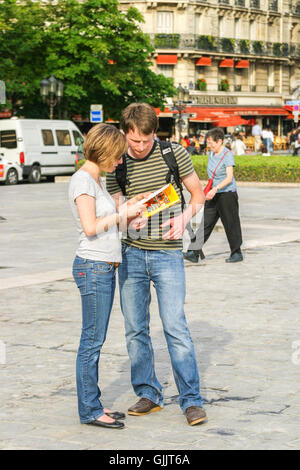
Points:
(244, 320)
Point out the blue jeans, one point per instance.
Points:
(166, 270)
(96, 282)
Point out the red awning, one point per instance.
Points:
(242, 64)
(5, 114)
(231, 121)
(204, 61)
(220, 114)
(226, 63)
(166, 59)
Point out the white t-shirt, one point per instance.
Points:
(105, 246)
(238, 147)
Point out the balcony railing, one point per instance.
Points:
(208, 43)
(273, 5)
(255, 4)
(224, 2)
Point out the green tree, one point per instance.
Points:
(22, 53)
(99, 53)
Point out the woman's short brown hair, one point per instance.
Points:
(104, 144)
(140, 116)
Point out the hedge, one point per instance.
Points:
(275, 168)
(285, 168)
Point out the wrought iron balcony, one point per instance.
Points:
(273, 5)
(255, 4)
(239, 3)
(211, 44)
(224, 2)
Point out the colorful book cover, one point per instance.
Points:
(160, 200)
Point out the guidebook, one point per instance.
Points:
(160, 200)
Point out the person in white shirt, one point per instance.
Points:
(238, 146)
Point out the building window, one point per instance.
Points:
(166, 70)
(164, 22)
(237, 28)
(221, 26)
(252, 30)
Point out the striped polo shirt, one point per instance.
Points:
(149, 174)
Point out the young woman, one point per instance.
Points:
(221, 201)
(97, 257)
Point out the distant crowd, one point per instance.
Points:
(260, 140)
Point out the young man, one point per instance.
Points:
(155, 254)
(222, 199)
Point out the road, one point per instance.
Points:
(244, 321)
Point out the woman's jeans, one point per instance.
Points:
(96, 282)
(166, 270)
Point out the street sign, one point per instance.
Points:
(2, 92)
(96, 113)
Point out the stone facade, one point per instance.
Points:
(264, 33)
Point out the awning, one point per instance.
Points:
(226, 63)
(5, 114)
(204, 61)
(242, 64)
(231, 121)
(217, 114)
(166, 59)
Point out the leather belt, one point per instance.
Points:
(116, 265)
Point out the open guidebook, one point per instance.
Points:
(160, 200)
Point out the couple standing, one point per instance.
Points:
(154, 255)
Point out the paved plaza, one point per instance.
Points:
(244, 320)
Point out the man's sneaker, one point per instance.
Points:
(143, 407)
(235, 258)
(195, 415)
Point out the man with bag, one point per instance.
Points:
(221, 198)
(155, 254)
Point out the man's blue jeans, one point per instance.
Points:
(166, 270)
(96, 282)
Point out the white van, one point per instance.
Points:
(42, 147)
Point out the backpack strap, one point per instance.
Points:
(121, 175)
(171, 162)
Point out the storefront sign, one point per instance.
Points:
(213, 99)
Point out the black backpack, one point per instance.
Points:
(170, 160)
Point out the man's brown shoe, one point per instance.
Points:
(195, 415)
(143, 407)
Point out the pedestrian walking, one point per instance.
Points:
(156, 256)
(256, 132)
(221, 200)
(97, 257)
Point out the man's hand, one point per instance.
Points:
(177, 229)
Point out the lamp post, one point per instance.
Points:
(52, 91)
(179, 104)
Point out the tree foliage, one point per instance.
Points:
(99, 52)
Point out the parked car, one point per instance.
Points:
(42, 147)
(10, 172)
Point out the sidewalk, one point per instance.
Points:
(244, 320)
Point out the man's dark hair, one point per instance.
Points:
(140, 116)
(216, 134)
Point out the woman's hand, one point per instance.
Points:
(211, 194)
(133, 207)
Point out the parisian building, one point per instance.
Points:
(235, 58)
